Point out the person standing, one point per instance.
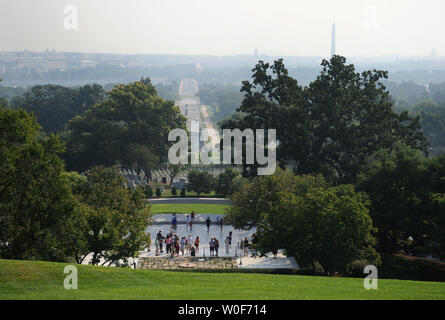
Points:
(208, 221)
(188, 223)
(212, 247)
(221, 222)
(197, 244)
(227, 243)
(246, 247)
(168, 244)
(189, 243)
(193, 252)
(157, 246)
(230, 238)
(182, 245)
(193, 215)
(216, 246)
(174, 222)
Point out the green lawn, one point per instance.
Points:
(44, 280)
(188, 207)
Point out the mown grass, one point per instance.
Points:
(168, 208)
(44, 280)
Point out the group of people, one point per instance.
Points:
(174, 245)
(186, 245)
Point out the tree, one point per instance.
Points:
(55, 105)
(174, 192)
(312, 221)
(36, 203)
(112, 220)
(403, 186)
(227, 184)
(331, 126)
(130, 128)
(200, 181)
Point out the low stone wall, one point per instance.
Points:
(186, 263)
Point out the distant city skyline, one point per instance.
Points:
(201, 27)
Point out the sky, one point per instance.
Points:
(224, 27)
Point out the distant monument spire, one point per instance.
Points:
(333, 40)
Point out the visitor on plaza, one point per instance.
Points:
(227, 243)
(216, 246)
(157, 246)
(168, 244)
(212, 247)
(174, 222)
(188, 223)
(246, 247)
(208, 221)
(192, 251)
(230, 238)
(197, 244)
(221, 222)
(189, 243)
(182, 245)
(193, 215)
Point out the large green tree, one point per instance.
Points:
(55, 105)
(36, 203)
(405, 189)
(331, 126)
(200, 181)
(112, 219)
(130, 128)
(311, 220)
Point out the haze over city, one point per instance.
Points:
(282, 27)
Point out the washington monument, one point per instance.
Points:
(333, 40)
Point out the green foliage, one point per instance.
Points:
(432, 116)
(112, 219)
(148, 191)
(55, 105)
(227, 182)
(130, 127)
(331, 126)
(201, 181)
(312, 221)
(174, 192)
(36, 203)
(158, 192)
(183, 192)
(405, 189)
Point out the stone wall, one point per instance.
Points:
(186, 263)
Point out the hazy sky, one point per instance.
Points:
(225, 27)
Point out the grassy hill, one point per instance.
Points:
(44, 280)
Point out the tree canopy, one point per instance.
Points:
(130, 127)
(331, 126)
(313, 221)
